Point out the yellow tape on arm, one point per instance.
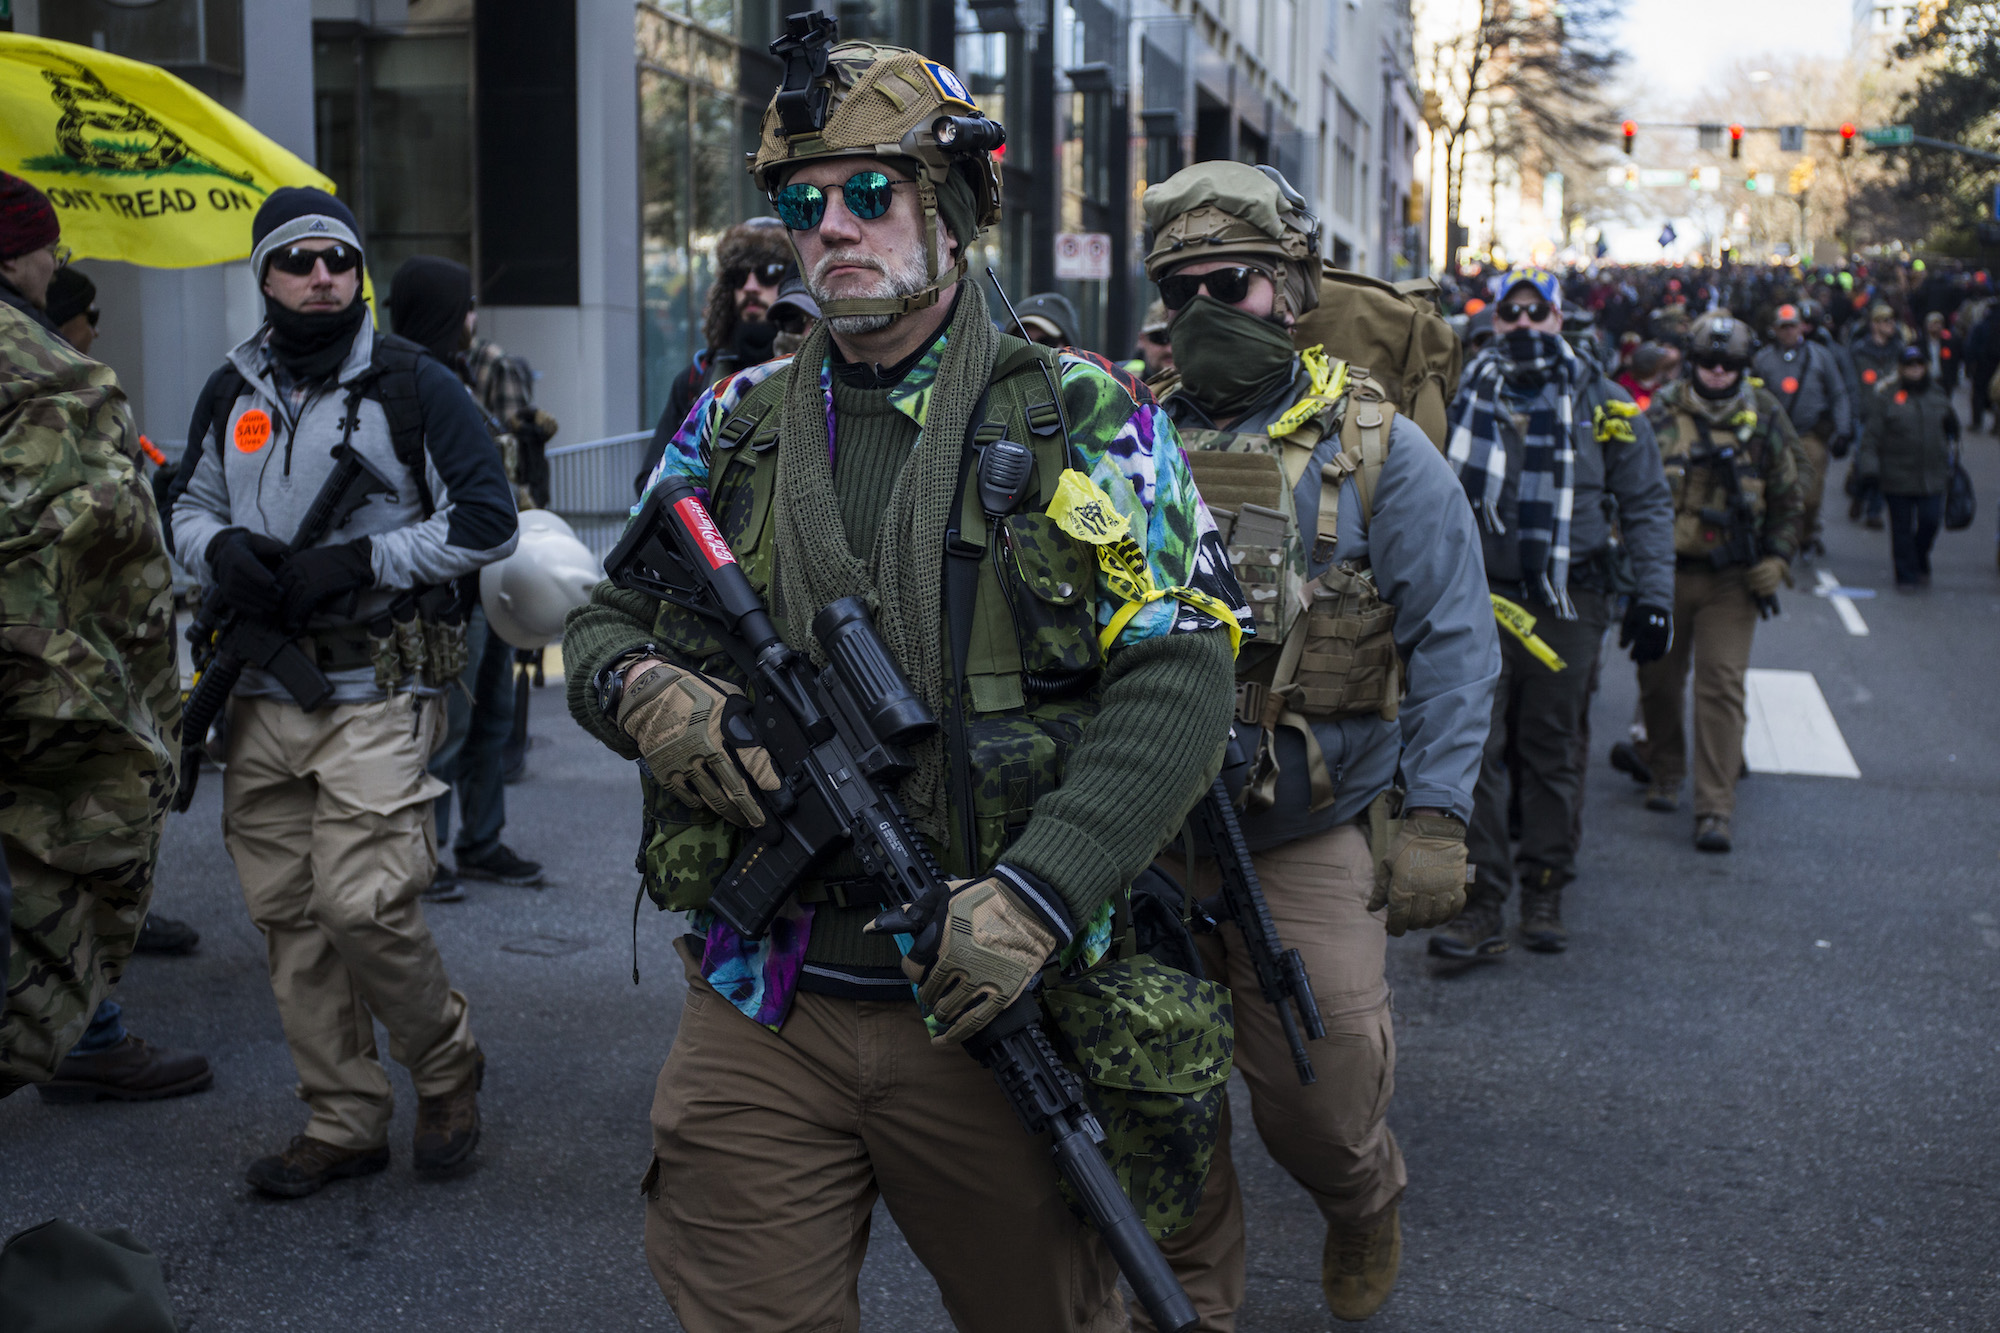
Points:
(1516, 621)
(1086, 513)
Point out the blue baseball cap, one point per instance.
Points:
(1543, 281)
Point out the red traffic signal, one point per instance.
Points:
(1631, 128)
(1847, 139)
(1736, 141)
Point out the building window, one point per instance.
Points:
(1346, 129)
(392, 125)
(694, 129)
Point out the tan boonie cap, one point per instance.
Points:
(1215, 210)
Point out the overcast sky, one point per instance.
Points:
(1678, 45)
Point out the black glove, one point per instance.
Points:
(317, 575)
(243, 562)
(1648, 631)
(1840, 445)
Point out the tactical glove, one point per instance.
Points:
(315, 576)
(988, 947)
(677, 718)
(1422, 879)
(1648, 631)
(1839, 445)
(1764, 577)
(243, 562)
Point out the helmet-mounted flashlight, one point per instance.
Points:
(802, 98)
(969, 134)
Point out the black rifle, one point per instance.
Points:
(1739, 523)
(225, 642)
(1281, 973)
(837, 738)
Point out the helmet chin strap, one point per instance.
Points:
(924, 297)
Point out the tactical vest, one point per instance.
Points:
(1700, 481)
(1330, 646)
(1028, 632)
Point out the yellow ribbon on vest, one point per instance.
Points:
(1329, 381)
(1516, 621)
(1086, 513)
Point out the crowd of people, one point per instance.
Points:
(1372, 597)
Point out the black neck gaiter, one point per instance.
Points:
(311, 346)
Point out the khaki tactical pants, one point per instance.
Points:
(328, 818)
(1714, 620)
(1332, 1137)
(770, 1149)
(1813, 458)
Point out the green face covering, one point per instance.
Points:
(1229, 360)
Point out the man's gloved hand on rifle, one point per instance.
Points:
(1764, 577)
(1422, 879)
(245, 563)
(315, 576)
(1648, 631)
(986, 949)
(676, 718)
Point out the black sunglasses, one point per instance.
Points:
(866, 193)
(1512, 311)
(1711, 361)
(1227, 285)
(768, 275)
(1158, 337)
(298, 261)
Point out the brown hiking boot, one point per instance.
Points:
(1663, 796)
(1474, 934)
(448, 1125)
(1358, 1267)
(1541, 910)
(131, 1071)
(308, 1165)
(1711, 833)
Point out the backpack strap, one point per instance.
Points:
(211, 417)
(392, 382)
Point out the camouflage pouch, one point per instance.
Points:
(1349, 665)
(446, 649)
(1153, 1046)
(1048, 578)
(411, 643)
(682, 852)
(386, 654)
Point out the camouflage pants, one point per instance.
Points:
(1332, 1137)
(70, 935)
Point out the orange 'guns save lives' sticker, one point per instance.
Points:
(253, 430)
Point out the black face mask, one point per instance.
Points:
(311, 346)
(1532, 356)
(753, 341)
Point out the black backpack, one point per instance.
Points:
(391, 380)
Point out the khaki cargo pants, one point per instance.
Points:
(1332, 1137)
(328, 816)
(1813, 458)
(1714, 622)
(770, 1149)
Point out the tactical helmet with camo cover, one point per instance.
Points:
(857, 99)
(1215, 210)
(1720, 334)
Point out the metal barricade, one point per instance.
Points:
(590, 486)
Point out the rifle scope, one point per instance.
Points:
(870, 674)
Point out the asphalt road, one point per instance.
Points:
(1758, 1093)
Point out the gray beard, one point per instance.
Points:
(905, 277)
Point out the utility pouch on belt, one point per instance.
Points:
(421, 632)
(1153, 1046)
(1385, 821)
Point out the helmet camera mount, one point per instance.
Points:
(803, 96)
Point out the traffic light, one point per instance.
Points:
(1736, 141)
(1846, 139)
(1631, 128)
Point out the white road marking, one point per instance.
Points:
(1843, 605)
(1789, 729)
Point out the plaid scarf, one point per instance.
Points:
(1478, 453)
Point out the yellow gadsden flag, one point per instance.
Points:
(140, 166)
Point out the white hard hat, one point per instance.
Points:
(550, 574)
(544, 520)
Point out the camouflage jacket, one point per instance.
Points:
(1765, 451)
(89, 679)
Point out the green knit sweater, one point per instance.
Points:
(1148, 755)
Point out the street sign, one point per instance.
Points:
(1791, 138)
(1667, 235)
(1655, 177)
(1083, 256)
(1889, 136)
(1711, 138)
